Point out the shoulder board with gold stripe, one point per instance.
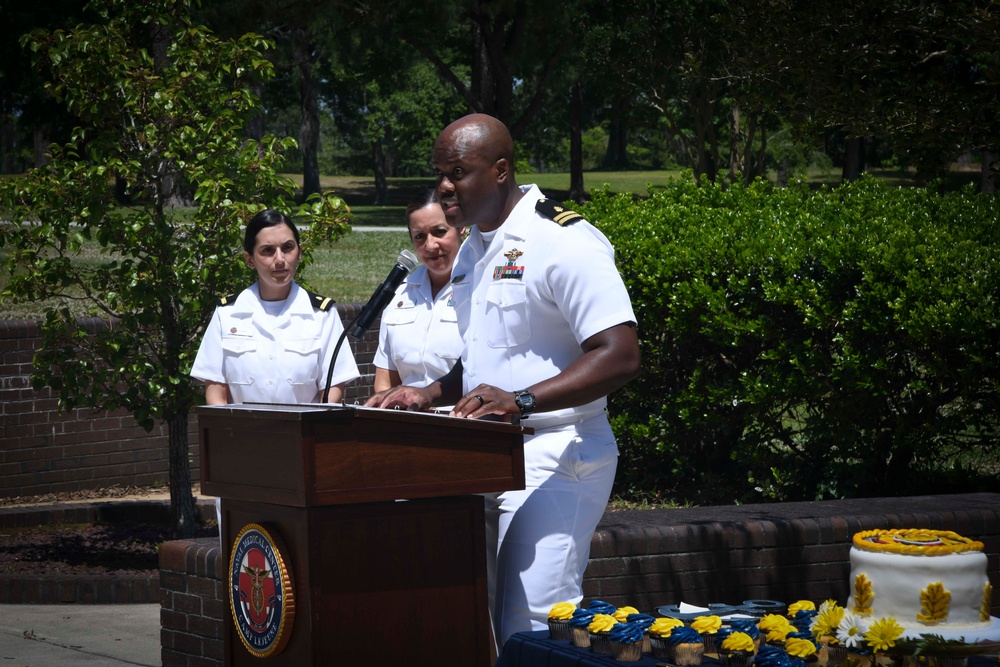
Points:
(228, 300)
(321, 302)
(555, 211)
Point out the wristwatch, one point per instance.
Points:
(525, 401)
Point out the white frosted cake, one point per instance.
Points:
(929, 581)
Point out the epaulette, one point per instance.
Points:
(228, 300)
(557, 212)
(320, 302)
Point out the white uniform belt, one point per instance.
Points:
(542, 421)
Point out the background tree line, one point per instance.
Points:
(727, 88)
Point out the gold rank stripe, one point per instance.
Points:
(565, 217)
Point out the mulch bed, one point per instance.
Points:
(97, 548)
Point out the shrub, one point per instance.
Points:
(808, 344)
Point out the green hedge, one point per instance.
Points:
(808, 344)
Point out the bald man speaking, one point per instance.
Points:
(549, 332)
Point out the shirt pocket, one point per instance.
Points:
(402, 316)
(238, 359)
(507, 322)
(301, 360)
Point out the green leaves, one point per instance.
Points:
(170, 131)
(801, 344)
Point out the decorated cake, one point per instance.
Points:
(929, 581)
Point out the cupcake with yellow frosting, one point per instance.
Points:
(559, 617)
(707, 626)
(736, 650)
(802, 648)
(621, 614)
(775, 629)
(659, 636)
(600, 633)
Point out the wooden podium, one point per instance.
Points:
(384, 544)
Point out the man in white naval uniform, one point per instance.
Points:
(549, 332)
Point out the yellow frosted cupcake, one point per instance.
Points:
(707, 626)
(600, 633)
(559, 617)
(659, 636)
(736, 650)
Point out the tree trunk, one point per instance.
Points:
(616, 156)
(309, 132)
(381, 185)
(987, 176)
(7, 145)
(182, 506)
(42, 145)
(577, 192)
(854, 159)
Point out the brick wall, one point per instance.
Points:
(649, 558)
(43, 450)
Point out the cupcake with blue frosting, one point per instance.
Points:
(626, 641)
(687, 645)
(645, 622)
(578, 624)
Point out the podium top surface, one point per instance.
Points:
(328, 411)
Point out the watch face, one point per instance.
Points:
(525, 402)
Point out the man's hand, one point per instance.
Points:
(485, 400)
(403, 397)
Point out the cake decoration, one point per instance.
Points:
(915, 541)
(984, 608)
(934, 602)
(862, 595)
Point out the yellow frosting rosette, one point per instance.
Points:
(800, 648)
(662, 627)
(778, 631)
(706, 625)
(738, 641)
(622, 613)
(602, 623)
(771, 620)
(801, 605)
(562, 611)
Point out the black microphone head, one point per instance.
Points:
(407, 260)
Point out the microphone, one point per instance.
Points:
(405, 263)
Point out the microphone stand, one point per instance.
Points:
(333, 361)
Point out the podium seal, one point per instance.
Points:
(261, 591)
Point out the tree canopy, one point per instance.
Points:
(163, 106)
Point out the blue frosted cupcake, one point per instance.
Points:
(626, 641)
(688, 646)
(578, 624)
(645, 621)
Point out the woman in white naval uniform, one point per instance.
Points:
(273, 342)
(418, 338)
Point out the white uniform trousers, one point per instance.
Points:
(538, 539)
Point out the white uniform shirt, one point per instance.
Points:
(527, 302)
(418, 337)
(280, 359)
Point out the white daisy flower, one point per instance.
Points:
(851, 630)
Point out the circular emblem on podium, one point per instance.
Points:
(261, 591)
